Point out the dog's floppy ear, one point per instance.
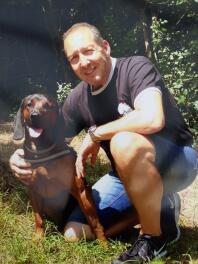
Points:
(18, 125)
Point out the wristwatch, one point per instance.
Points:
(91, 131)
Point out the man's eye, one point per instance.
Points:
(88, 52)
(74, 60)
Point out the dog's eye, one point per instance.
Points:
(28, 104)
(46, 107)
(49, 107)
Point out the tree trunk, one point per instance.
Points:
(146, 18)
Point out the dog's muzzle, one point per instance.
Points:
(35, 119)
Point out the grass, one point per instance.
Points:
(17, 243)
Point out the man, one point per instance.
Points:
(130, 113)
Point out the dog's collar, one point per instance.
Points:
(53, 156)
(40, 152)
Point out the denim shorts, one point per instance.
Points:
(177, 166)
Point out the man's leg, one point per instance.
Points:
(134, 156)
(177, 166)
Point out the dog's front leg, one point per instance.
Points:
(88, 207)
(39, 223)
(39, 229)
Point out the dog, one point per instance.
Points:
(54, 186)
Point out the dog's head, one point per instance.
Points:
(37, 113)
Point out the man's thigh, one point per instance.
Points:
(177, 164)
(110, 198)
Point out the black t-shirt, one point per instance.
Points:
(131, 76)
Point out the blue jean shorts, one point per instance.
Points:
(177, 166)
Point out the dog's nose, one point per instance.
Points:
(34, 115)
(35, 118)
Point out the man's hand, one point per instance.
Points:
(87, 148)
(20, 168)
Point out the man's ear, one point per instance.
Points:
(106, 47)
(18, 125)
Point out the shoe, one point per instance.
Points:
(145, 249)
(170, 210)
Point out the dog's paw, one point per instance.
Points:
(38, 235)
(103, 242)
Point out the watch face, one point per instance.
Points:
(91, 133)
(93, 128)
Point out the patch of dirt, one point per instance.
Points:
(6, 133)
(5, 138)
(189, 205)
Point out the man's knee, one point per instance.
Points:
(126, 146)
(75, 231)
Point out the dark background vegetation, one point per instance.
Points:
(32, 58)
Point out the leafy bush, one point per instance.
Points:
(63, 90)
(175, 52)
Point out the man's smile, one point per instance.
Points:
(90, 71)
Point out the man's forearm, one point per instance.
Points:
(136, 121)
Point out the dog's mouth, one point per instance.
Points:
(35, 132)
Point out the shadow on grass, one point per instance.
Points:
(187, 244)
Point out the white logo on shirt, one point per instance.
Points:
(124, 109)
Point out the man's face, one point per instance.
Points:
(89, 60)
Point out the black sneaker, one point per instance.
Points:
(143, 250)
(147, 247)
(171, 206)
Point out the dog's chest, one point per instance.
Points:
(44, 184)
(52, 178)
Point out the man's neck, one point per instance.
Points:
(99, 89)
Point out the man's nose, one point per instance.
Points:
(84, 61)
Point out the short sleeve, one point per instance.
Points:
(142, 75)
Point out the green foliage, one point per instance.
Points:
(176, 51)
(63, 90)
(122, 28)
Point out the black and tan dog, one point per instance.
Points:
(54, 184)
